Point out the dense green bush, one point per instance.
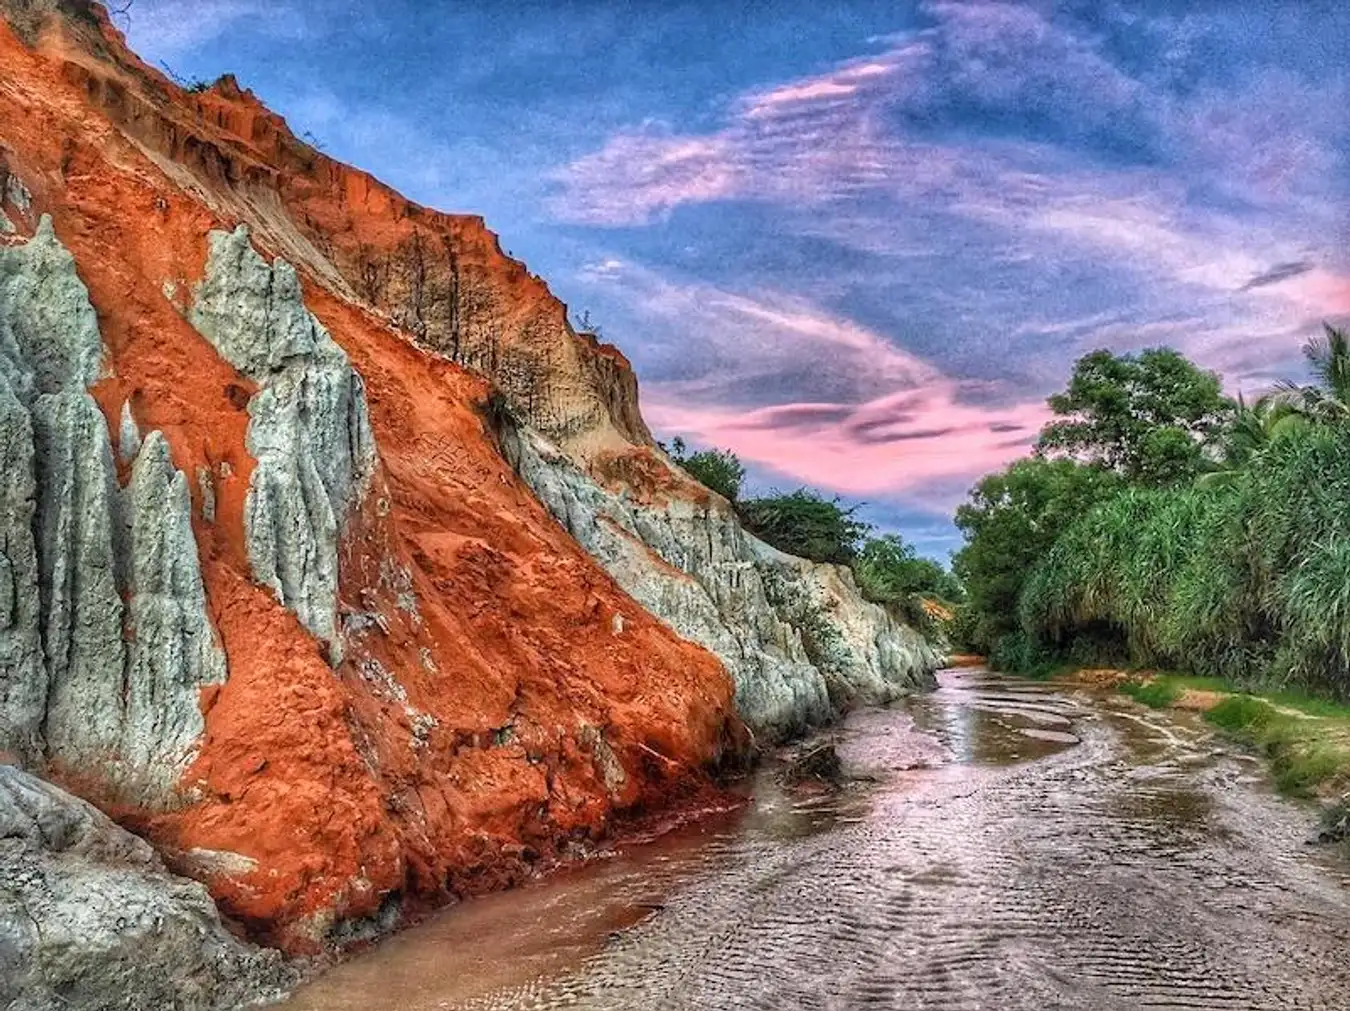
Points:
(718, 470)
(806, 524)
(1247, 579)
(1011, 521)
(888, 571)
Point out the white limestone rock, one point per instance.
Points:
(86, 682)
(23, 676)
(175, 651)
(64, 659)
(90, 919)
(82, 602)
(798, 639)
(128, 434)
(309, 427)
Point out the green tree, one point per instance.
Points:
(1149, 417)
(806, 524)
(888, 570)
(1011, 520)
(1328, 398)
(717, 469)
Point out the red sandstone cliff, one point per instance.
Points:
(526, 701)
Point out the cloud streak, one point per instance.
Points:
(993, 192)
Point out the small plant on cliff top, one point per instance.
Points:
(718, 470)
(585, 324)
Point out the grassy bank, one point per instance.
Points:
(1305, 739)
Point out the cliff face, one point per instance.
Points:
(798, 638)
(273, 595)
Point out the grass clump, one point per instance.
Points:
(1242, 714)
(1156, 693)
(1304, 752)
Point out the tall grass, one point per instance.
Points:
(1246, 579)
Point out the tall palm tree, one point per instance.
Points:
(1328, 399)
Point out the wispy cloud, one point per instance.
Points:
(738, 366)
(166, 29)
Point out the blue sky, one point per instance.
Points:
(857, 242)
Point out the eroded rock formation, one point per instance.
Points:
(89, 917)
(798, 637)
(90, 683)
(270, 592)
(309, 426)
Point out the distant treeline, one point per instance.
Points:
(1161, 523)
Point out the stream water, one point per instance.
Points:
(1006, 845)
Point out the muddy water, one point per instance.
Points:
(1017, 846)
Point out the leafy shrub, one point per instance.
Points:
(806, 524)
(1012, 519)
(1249, 579)
(888, 570)
(717, 470)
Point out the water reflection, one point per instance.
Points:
(983, 720)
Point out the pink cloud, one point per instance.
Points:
(908, 443)
(1320, 291)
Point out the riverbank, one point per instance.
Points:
(1304, 739)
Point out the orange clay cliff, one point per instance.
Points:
(332, 552)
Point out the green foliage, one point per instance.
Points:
(1155, 694)
(1148, 416)
(806, 524)
(888, 570)
(1328, 399)
(718, 470)
(1011, 521)
(1249, 579)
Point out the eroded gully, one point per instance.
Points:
(1010, 845)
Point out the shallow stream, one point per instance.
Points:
(1004, 845)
